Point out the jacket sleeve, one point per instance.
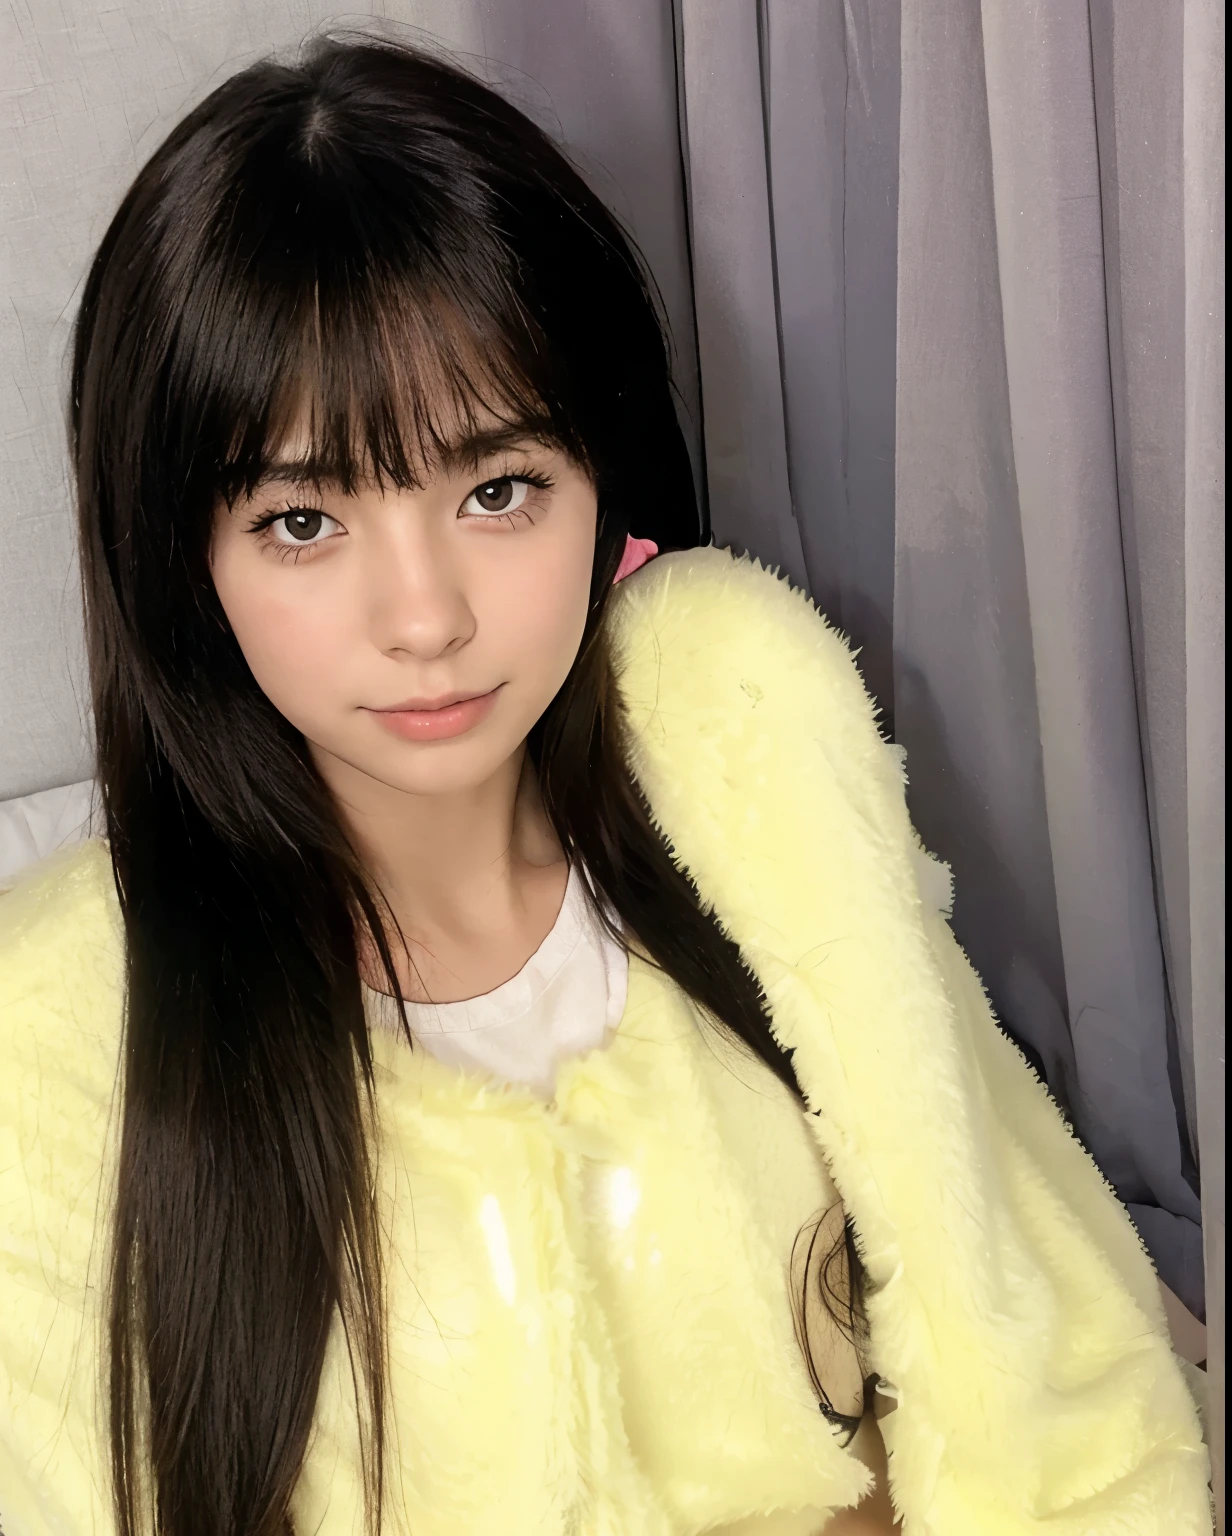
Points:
(1085, 1253)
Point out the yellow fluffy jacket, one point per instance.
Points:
(590, 1315)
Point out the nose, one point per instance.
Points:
(417, 601)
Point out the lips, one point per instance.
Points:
(428, 706)
(439, 718)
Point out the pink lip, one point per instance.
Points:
(436, 719)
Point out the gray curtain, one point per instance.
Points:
(1203, 139)
(1040, 625)
(790, 126)
(945, 278)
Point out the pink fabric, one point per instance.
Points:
(637, 552)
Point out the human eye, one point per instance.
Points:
(297, 529)
(304, 525)
(506, 497)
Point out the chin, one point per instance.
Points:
(446, 776)
(448, 767)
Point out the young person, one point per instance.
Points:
(431, 1103)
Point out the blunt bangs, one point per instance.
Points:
(383, 326)
(384, 396)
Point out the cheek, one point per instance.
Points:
(288, 634)
(543, 614)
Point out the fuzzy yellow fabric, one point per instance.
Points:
(1016, 1310)
(589, 1316)
(589, 1324)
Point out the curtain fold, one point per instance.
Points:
(790, 118)
(966, 704)
(1056, 302)
(1137, 76)
(830, 81)
(1204, 197)
(735, 281)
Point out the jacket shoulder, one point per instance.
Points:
(731, 610)
(61, 990)
(59, 918)
(715, 648)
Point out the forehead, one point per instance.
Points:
(297, 462)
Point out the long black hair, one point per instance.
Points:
(374, 233)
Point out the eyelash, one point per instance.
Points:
(263, 524)
(538, 482)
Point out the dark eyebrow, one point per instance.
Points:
(295, 472)
(466, 453)
(470, 451)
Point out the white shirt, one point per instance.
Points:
(566, 1000)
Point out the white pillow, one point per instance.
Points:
(32, 826)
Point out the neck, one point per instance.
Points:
(469, 868)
